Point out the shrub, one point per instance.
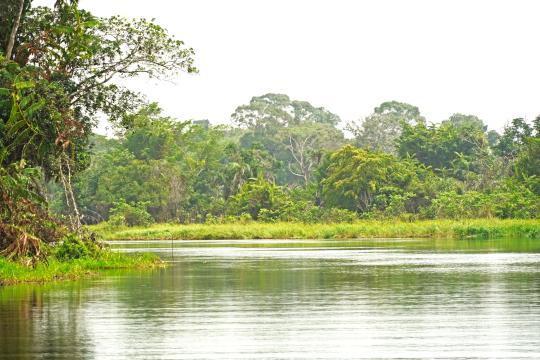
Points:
(71, 247)
(256, 195)
(130, 214)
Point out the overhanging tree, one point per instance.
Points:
(60, 76)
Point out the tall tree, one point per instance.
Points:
(444, 146)
(62, 79)
(380, 130)
(15, 27)
(513, 138)
(471, 121)
(272, 110)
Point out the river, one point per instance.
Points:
(290, 299)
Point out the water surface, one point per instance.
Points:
(290, 299)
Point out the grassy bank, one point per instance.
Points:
(479, 228)
(12, 272)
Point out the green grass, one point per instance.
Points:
(12, 272)
(475, 228)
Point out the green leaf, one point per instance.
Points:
(16, 127)
(34, 107)
(24, 85)
(91, 23)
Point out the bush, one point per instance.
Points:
(258, 195)
(130, 214)
(71, 247)
(515, 200)
(335, 215)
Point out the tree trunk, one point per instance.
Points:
(65, 176)
(16, 22)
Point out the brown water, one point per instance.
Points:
(290, 299)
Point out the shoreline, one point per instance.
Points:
(13, 272)
(451, 229)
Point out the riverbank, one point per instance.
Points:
(12, 272)
(476, 228)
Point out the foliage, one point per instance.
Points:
(380, 130)
(72, 247)
(510, 200)
(445, 147)
(15, 272)
(357, 179)
(442, 229)
(186, 173)
(294, 132)
(258, 198)
(513, 138)
(24, 221)
(271, 110)
(130, 214)
(55, 81)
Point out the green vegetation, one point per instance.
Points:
(13, 272)
(273, 169)
(71, 258)
(57, 67)
(478, 228)
(282, 162)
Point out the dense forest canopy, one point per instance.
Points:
(281, 159)
(288, 160)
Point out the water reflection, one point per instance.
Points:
(290, 299)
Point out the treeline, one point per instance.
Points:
(286, 160)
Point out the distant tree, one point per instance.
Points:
(528, 159)
(241, 164)
(294, 132)
(468, 121)
(257, 195)
(493, 138)
(306, 144)
(380, 130)
(273, 110)
(444, 146)
(513, 138)
(355, 177)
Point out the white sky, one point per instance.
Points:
(477, 57)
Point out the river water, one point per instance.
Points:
(290, 299)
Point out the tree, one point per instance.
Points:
(242, 164)
(380, 130)
(294, 132)
(15, 27)
(513, 138)
(528, 163)
(61, 79)
(468, 121)
(64, 82)
(257, 195)
(12, 12)
(443, 147)
(306, 144)
(355, 177)
(273, 110)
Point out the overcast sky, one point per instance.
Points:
(474, 57)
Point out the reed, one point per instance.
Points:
(474, 228)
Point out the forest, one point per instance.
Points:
(277, 160)
(269, 226)
(287, 160)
